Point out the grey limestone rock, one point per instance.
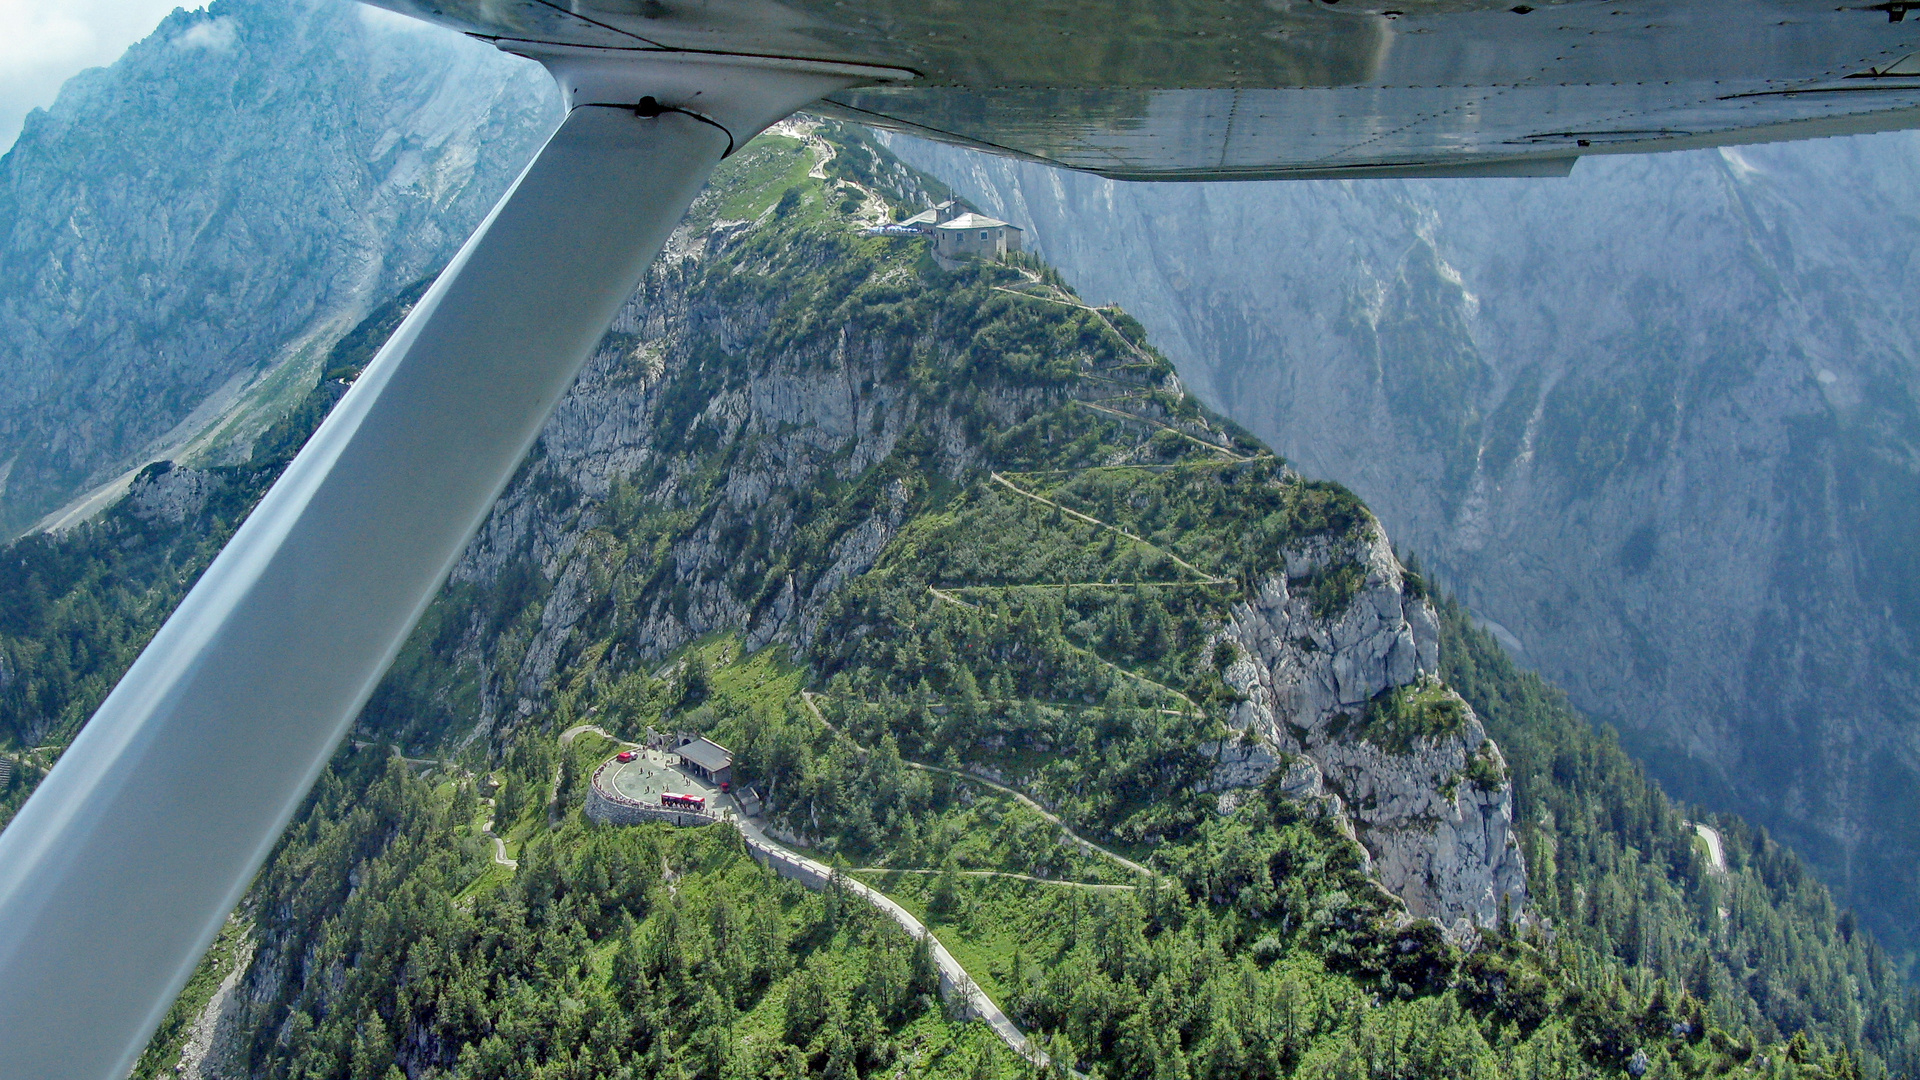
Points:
(790, 417)
(166, 494)
(1242, 763)
(1439, 841)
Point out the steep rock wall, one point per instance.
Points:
(1445, 844)
(781, 424)
(228, 198)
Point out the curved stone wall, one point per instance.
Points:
(609, 807)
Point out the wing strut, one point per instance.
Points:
(118, 872)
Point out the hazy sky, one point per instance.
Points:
(43, 43)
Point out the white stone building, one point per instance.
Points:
(975, 236)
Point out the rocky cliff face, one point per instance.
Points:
(669, 385)
(1440, 838)
(1656, 423)
(221, 203)
(168, 495)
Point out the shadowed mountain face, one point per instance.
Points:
(1656, 421)
(227, 196)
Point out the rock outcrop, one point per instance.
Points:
(1439, 838)
(169, 495)
(216, 1045)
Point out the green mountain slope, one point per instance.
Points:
(1653, 420)
(1617, 868)
(1158, 737)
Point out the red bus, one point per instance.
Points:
(683, 802)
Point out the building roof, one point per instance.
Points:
(707, 754)
(975, 221)
(940, 212)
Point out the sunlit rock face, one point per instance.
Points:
(1438, 829)
(1656, 421)
(233, 193)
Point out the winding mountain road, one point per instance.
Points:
(401, 754)
(954, 980)
(572, 733)
(1092, 886)
(1086, 652)
(1204, 577)
(499, 845)
(974, 778)
(1716, 851)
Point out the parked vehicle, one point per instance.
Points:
(624, 755)
(683, 802)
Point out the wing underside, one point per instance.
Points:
(1229, 89)
(1224, 89)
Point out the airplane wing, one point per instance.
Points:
(1263, 89)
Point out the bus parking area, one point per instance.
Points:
(655, 778)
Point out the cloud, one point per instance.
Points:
(43, 43)
(214, 35)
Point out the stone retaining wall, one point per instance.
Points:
(954, 984)
(611, 808)
(957, 988)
